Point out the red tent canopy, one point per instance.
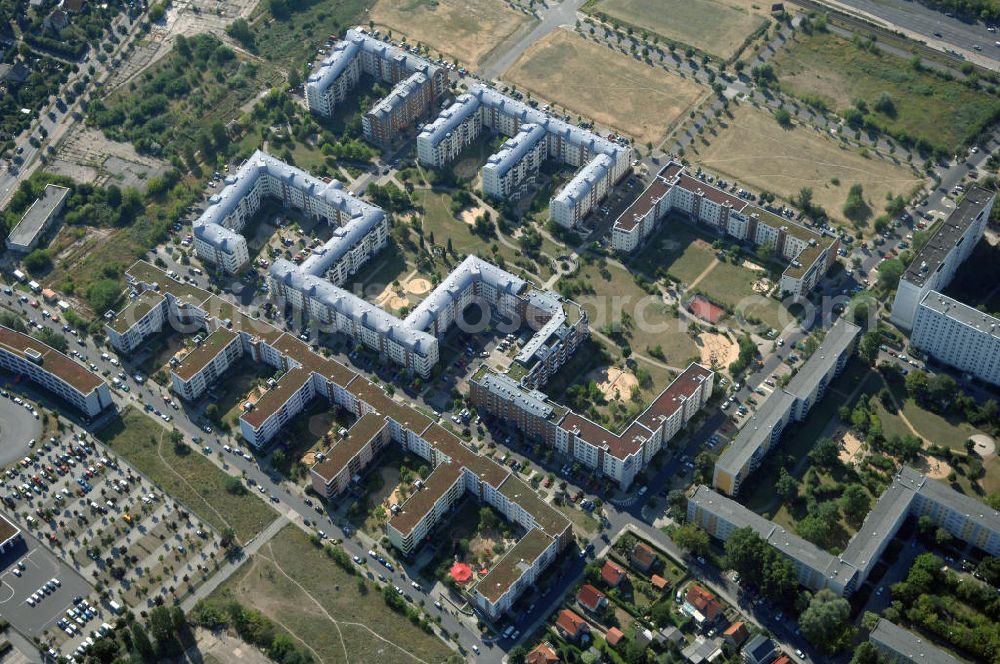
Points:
(460, 572)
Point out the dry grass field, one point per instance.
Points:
(755, 150)
(603, 85)
(466, 30)
(718, 27)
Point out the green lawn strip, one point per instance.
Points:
(189, 477)
(260, 584)
(944, 112)
(732, 285)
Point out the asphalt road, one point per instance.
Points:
(17, 427)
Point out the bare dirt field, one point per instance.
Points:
(752, 148)
(466, 30)
(718, 27)
(468, 215)
(983, 445)
(717, 349)
(936, 469)
(615, 384)
(566, 69)
(228, 648)
(87, 156)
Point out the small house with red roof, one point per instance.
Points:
(572, 627)
(659, 582)
(542, 654)
(612, 574)
(642, 557)
(591, 599)
(614, 637)
(701, 605)
(736, 634)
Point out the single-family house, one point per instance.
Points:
(642, 557)
(591, 599)
(759, 650)
(614, 637)
(612, 574)
(542, 654)
(736, 634)
(572, 627)
(701, 605)
(659, 583)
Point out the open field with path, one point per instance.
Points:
(826, 66)
(600, 84)
(754, 149)
(718, 27)
(298, 586)
(466, 30)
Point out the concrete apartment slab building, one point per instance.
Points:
(142, 317)
(51, 370)
(511, 171)
(809, 254)
(934, 266)
(602, 163)
(905, 646)
(457, 468)
(958, 335)
(399, 110)
(762, 431)
(37, 219)
(911, 493)
(205, 363)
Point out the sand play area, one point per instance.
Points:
(396, 298)
(851, 451)
(717, 349)
(614, 383)
(469, 215)
(983, 445)
(418, 286)
(762, 286)
(934, 468)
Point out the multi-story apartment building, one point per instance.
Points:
(364, 440)
(418, 82)
(958, 335)
(602, 162)
(10, 534)
(360, 229)
(511, 171)
(143, 316)
(935, 264)
(407, 102)
(809, 254)
(619, 457)
(762, 431)
(205, 363)
(54, 372)
(910, 494)
(906, 647)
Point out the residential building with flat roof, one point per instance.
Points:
(399, 110)
(347, 458)
(37, 219)
(509, 172)
(809, 254)
(10, 534)
(762, 431)
(905, 646)
(934, 266)
(958, 335)
(51, 370)
(141, 318)
(205, 363)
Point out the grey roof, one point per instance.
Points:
(930, 257)
(550, 328)
(450, 118)
(585, 180)
(352, 306)
(333, 65)
(941, 494)
(837, 340)
(531, 401)
(219, 237)
(759, 646)
(515, 149)
(472, 270)
(38, 215)
(961, 312)
(410, 86)
(910, 646)
(779, 403)
(880, 525)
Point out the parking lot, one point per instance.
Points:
(101, 522)
(17, 427)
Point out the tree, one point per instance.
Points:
(783, 117)
(787, 486)
(854, 502)
(941, 388)
(691, 538)
(234, 485)
(917, 384)
(518, 655)
(103, 294)
(161, 626)
(227, 537)
(824, 623)
(487, 518)
(889, 273)
(142, 644)
(52, 338)
(869, 347)
(825, 453)
(38, 261)
(855, 207)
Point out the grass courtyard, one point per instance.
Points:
(339, 616)
(185, 474)
(831, 68)
(580, 75)
(718, 27)
(752, 148)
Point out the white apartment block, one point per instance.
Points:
(204, 364)
(54, 372)
(810, 254)
(334, 79)
(958, 335)
(602, 162)
(142, 317)
(935, 264)
(511, 171)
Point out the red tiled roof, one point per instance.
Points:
(572, 624)
(643, 555)
(737, 632)
(614, 636)
(659, 582)
(589, 597)
(542, 654)
(703, 600)
(612, 574)
(784, 659)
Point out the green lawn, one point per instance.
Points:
(297, 585)
(731, 285)
(293, 40)
(675, 248)
(189, 477)
(927, 106)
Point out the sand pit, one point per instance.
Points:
(749, 265)
(935, 468)
(717, 349)
(615, 384)
(308, 459)
(983, 445)
(417, 286)
(387, 294)
(762, 286)
(851, 451)
(469, 214)
(396, 302)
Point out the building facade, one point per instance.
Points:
(959, 336)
